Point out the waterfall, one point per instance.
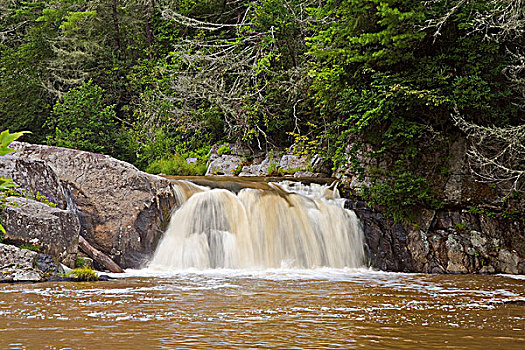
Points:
(286, 224)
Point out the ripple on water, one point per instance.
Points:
(310, 309)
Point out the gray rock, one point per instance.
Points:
(225, 165)
(319, 165)
(442, 242)
(293, 162)
(122, 211)
(22, 265)
(35, 176)
(256, 169)
(29, 222)
(306, 174)
(508, 261)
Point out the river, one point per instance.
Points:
(267, 309)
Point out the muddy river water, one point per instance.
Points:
(267, 309)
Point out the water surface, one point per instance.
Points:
(270, 309)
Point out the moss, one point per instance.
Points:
(83, 274)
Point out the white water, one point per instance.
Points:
(289, 225)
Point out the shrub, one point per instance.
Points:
(83, 274)
(224, 149)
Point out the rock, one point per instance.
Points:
(257, 169)
(442, 241)
(306, 174)
(35, 176)
(122, 211)
(225, 165)
(456, 255)
(22, 265)
(29, 222)
(319, 165)
(508, 261)
(453, 190)
(291, 162)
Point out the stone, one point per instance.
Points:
(256, 169)
(29, 222)
(22, 265)
(293, 162)
(306, 174)
(225, 165)
(319, 165)
(508, 261)
(123, 211)
(35, 176)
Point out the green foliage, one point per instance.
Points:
(176, 165)
(5, 140)
(7, 185)
(84, 121)
(83, 274)
(364, 82)
(400, 193)
(224, 149)
(32, 247)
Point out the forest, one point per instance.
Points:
(395, 82)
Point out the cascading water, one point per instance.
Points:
(285, 225)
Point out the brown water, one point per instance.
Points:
(272, 309)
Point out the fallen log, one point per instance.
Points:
(98, 256)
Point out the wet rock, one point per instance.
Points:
(122, 211)
(22, 265)
(441, 242)
(35, 176)
(33, 223)
(508, 261)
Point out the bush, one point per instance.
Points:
(224, 149)
(176, 165)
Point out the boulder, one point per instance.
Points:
(123, 211)
(291, 162)
(225, 165)
(29, 222)
(256, 169)
(35, 177)
(22, 265)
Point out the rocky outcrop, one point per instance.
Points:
(22, 265)
(56, 231)
(122, 211)
(443, 241)
(287, 164)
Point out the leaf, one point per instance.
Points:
(6, 138)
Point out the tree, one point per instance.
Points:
(85, 121)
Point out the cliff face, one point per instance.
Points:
(443, 241)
